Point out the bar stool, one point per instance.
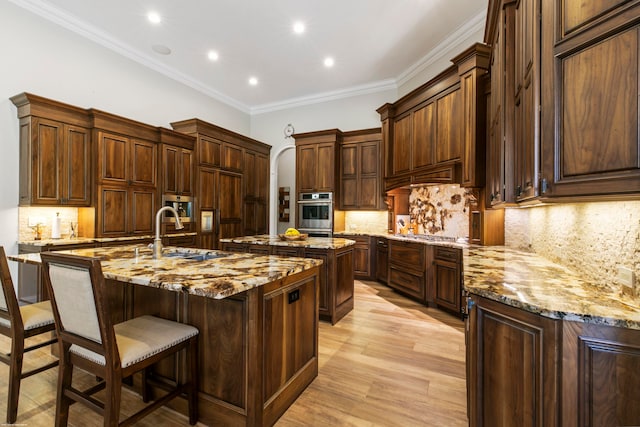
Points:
(20, 323)
(90, 341)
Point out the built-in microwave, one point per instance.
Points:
(182, 204)
(315, 211)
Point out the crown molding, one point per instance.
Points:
(444, 48)
(71, 23)
(380, 86)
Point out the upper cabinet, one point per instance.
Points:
(177, 163)
(55, 153)
(590, 60)
(360, 171)
(435, 134)
(564, 109)
(316, 160)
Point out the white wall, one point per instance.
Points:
(44, 59)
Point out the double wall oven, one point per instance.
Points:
(315, 214)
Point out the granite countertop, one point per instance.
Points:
(310, 242)
(84, 240)
(535, 284)
(217, 278)
(418, 238)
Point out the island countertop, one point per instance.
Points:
(533, 283)
(310, 242)
(227, 275)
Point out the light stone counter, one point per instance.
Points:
(218, 278)
(535, 284)
(85, 240)
(310, 242)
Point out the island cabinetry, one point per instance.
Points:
(408, 268)
(447, 278)
(177, 163)
(600, 383)
(513, 362)
(361, 171)
(591, 61)
(382, 259)
(55, 153)
(316, 154)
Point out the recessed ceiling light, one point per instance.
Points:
(253, 81)
(154, 17)
(161, 49)
(328, 62)
(298, 27)
(213, 55)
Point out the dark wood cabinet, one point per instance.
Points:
(408, 263)
(447, 278)
(360, 171)
(591, 60)
(316, 160)
(363, 252)
(436, 132)
(382, 259)
(256, 193)
(55, 153)
(513, 372)
(177, 164)
(232, 181)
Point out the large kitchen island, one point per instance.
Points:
(257, 316)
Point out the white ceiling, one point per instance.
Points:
(376, 44)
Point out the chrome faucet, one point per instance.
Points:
(157, 242)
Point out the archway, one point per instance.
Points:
(273, 188)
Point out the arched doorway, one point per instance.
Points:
(273, 188)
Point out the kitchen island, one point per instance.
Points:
(257, 316)
(554, 348)
(336, 272)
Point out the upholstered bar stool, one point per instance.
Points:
(20, 323)
(90, 341)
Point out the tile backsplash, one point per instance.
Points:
(590, 238)
(441, 210)
(44, 215)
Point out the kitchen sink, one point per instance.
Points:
(194, 256)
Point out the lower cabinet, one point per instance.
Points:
(512, 366)
(363, 266)
(447, 278)
(408, 268)
(382, 260)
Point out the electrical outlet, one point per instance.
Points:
(626, 278)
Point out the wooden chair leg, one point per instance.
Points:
(145, 385)
(192, 360)
(65, 376)
(112, 400)
(15, 375)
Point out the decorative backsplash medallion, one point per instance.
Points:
(441, 210)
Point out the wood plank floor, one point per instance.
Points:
(390, 362)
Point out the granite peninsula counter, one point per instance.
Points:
(257, 316)
(336, 297)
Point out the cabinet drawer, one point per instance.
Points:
(407, 254)
(404, 281)
(447, 254)
(287, 251)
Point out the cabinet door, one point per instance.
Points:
(208, 189)
(76, 167)
(325, 293)
(512, 364)
(232, 157)
(186, 172)
(306, 168)
(113, 158)
(113, 217)
(143, 208)
(401, 147)
(382, 261)
(349, 176)
(209, 151)
(325, 167)
(446, 276)
(424, 135)
(47, 150)
(449, 131)
(230, 205)
(170, 169)
(144, 158)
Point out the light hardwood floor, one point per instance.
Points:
(390, 362)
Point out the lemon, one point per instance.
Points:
(292, 232)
